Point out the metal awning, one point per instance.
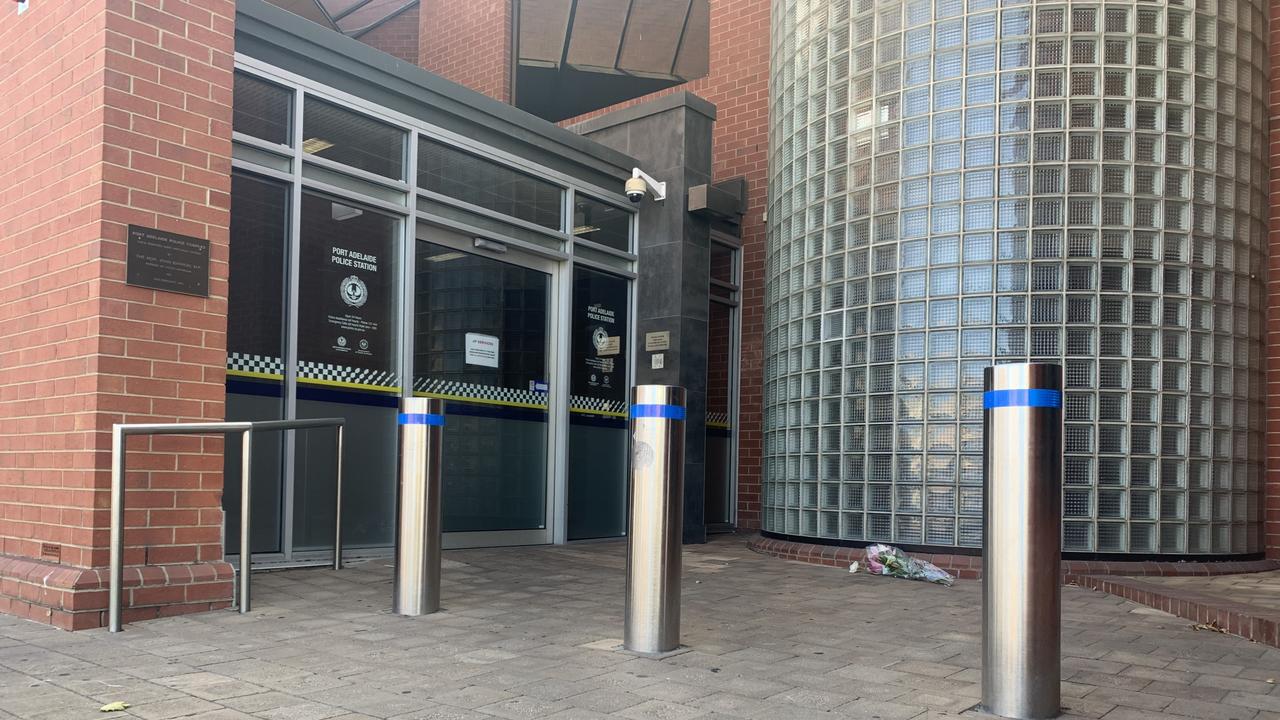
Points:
(574, 56)
(349, 17)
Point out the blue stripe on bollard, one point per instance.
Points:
(666, 412)
(1021, 398)
(421, 419)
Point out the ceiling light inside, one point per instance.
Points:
(446, 257)
(312, 146)
(342, 212)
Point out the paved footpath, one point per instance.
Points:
(527, 632)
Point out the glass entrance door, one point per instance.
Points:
(482, 336)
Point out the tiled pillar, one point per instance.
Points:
(671, 138)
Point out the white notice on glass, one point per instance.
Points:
(482, 350)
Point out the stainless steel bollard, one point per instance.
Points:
(418, 542)
(657, 518)
(1022, 545)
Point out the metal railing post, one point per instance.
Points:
(121, 432)
(652, 618)
(114, 612)
(418, 527)
(1022, 548)
(246, 547)
(337, 512)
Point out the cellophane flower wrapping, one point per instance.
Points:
(889, 560)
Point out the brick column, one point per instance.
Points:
(468, 42)
(114, 112)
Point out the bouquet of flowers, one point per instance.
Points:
(889, 560)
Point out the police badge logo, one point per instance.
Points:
(600, 338)
(354, 292)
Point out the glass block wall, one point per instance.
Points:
(960, 182)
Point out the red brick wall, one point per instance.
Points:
(738, 85)
(468, 42)
(49, 229)
(114, 112)
(397, 36)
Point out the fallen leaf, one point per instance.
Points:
(1208, 626)
(116, 706)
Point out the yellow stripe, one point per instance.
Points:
(609, 413)
(248, 374)
(480, 401)
(358, 386)
(722, 426)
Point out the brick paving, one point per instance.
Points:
(527, 632)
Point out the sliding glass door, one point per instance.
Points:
(482, 341)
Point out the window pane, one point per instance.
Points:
(722, 263)
(347, 295)
(347, 356)
(261, 109)
(255, 342)
(597, 477)
(342, 136)
(601, 223)
(463, 176)
(255, 293)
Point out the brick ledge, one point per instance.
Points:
(969, 567)
(1247, 621)
(74, 598)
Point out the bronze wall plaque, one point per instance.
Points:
(167, 261)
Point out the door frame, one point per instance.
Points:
(734, 304)
(557, 397)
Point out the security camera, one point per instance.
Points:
(635, 189)
(640, 183)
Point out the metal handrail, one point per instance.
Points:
(246, 429)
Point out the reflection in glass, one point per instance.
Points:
(601, 223)
(466, 177)
(480, 342)
(255, 346)
(349, 138)
(720, 469)
(347, 345)
(597, 477)
(723, 263)
(261, 109)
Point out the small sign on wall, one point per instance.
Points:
(167, 261)
(657, 341)
(482, 350)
